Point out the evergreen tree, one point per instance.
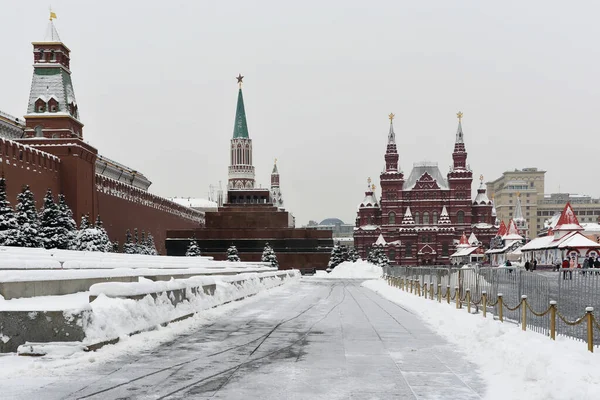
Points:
(136, 241)
(269, 256)
(50, 227)
(115, 246)
(353, 255)
(378, 257)
(232, 254)
(67, 226)
(105, 243)
(85, 222)
(344, 252)
(144, 244)
(128, 246)
(336, 257)
(192, 250)
(151, 245)
(28, 231)
(371, 257)
(8, 219)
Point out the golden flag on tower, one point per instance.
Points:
(52, 15)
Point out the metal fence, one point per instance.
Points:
(467, 285)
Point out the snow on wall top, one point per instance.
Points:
(194, 202)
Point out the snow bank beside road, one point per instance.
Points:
(354, 270)
(118, 317)
(515, 364)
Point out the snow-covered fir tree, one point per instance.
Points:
(192, 250)
(144, 244)
(106, 244)
(67, 225)
(378, 257)
(115, 246)
(28, 230)
(151, 245)
(232, 254)
(345, 252)
(269, 256)
(50, 228)
(128, 246)
(90, 238)
(8, 218)
(336, 256)
(136, 241)
(353, 255)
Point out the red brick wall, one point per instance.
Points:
(119, 214)
(22, 165)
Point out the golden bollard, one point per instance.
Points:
(411, 286)
(469, 301)
(500, 306)
(419, 288)
(484, 302)
(425, 291)
(431, 291)
(590, 328)
(448, 294)
(457, 297)
(552, 319)
(524, 312)
(439, 293)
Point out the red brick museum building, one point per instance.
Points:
(420, 218)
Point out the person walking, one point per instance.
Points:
(586, 265)
(565, 267)
(527, 265)
(597, 265)
(572, 266)
(534, 264)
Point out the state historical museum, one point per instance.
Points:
(420, 218)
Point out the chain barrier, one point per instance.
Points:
(595, 321)
(536, 313)
(514, 308)
(566, 321)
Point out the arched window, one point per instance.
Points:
(392, 218)
(435, 218)
(460, 217)
(392, 255)
(426, 218)
(416, 218)
(38, 131)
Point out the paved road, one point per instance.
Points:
(319, 339)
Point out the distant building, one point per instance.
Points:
(527, 186)
(341, 232)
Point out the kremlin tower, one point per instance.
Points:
(241, 170)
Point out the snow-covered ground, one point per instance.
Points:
(353, 270)
(515, 364)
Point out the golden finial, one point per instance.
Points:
(459, 115)
(481, 178)
(373, 187)
(493, 196)
(369, 180)
(239, 79)
(518, 194)
(275, 161)
(391, 117)
(52, 14)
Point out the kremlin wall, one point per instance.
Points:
(48, 151)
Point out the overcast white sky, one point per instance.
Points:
(155, 83)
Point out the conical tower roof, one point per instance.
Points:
(391, 134)
(512, 232)
(444, 217)
(275, 171)
(408, 218)
(568, 220)
(518, 215)
(240, 129)
(51, 35)
(502, 229)
(464, 242)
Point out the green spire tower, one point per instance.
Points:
(241, 170)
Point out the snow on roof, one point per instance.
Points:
(512, 232)
(473, 239)
(408, 218)
(568, 220)
(369, 227)
(55, 82)
(194, 202)
(591, 227)
(464, 252)
(380, 241)
(464, 242)
(444, 218)
(370, 200)
(578, 241)
(419, 169)
(483, 225)
(538, 243)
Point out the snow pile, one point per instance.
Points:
(514, 364)
(116, 317)
(355, 270)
